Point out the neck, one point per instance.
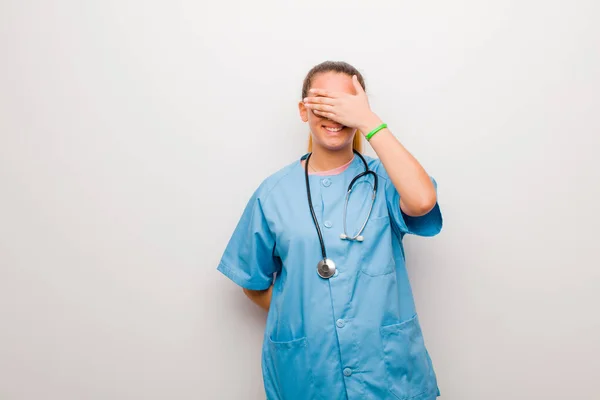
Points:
(324, 160)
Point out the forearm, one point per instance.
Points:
(260, 297)
(417, 193)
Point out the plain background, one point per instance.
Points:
(132, 133)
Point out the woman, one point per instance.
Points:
(341, 319)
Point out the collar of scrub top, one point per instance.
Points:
(326, 267)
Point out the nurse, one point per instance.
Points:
(341, 320)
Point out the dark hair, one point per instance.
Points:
(331, 66)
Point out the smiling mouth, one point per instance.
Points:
(333, 129)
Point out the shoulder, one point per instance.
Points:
(276, 181)
(376, 166)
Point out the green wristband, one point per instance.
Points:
(374, 131)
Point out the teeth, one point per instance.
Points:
(333, 129)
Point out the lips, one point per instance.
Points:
(333, 129)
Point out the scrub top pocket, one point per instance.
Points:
(377, 257)
(407, 362)
(293, 373)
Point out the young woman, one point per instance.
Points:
(328, 263)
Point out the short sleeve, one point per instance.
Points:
(429, 224)
(248, 259)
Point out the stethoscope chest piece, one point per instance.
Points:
(326, 268)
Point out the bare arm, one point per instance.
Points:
(260, 297)
(417, 193)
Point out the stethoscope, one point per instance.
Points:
(326, 267)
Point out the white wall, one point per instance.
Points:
(133, 132)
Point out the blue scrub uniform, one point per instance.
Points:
(355, 335)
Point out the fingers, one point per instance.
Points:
(319, 100)
(323, 104)
(320, 107)
(325, 114)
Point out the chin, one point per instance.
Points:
(334, 144)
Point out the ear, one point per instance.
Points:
(303, 111)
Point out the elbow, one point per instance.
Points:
(419, 208)
(423, 209)
(428, 204)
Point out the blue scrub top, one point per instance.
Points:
(355, 335)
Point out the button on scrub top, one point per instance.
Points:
(355, 335)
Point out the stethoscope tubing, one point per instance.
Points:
(366, 172)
